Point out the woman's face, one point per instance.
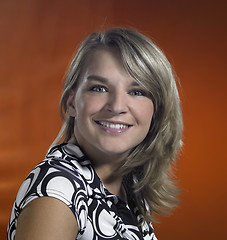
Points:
(112, 112)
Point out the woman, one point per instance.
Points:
(121, 131)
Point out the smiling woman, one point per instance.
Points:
(110, 163)
(112, 116)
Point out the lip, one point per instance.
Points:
(119, 126)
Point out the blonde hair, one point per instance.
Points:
(148, 169)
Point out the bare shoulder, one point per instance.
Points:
(46, 218)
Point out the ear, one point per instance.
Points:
(71, 109)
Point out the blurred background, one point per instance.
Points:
(37, 41)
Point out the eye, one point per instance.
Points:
(138, 92)
(98, 88)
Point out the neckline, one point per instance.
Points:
(76, 156)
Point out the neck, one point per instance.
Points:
(106, 167)
(111, 180)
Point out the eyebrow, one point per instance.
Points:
(105, 80)
(97, 78)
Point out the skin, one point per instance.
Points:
(46, 218)
(105, 95)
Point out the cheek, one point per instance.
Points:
(147, 121)
(82, 108)
(146, 113)
(87, 106)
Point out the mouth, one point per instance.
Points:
(111, 125)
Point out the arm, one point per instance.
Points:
(46, 218)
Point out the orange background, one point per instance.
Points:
(37, 40)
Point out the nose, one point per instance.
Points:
(117, 102)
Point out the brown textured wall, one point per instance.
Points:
(37, 40)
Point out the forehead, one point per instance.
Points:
(106, 63)
(104, 57)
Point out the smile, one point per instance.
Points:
(113, 125)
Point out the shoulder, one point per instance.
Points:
(59, 175)
(63, 175)
(44, 216)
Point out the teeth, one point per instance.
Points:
(111, 125)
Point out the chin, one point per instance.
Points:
(116, 152)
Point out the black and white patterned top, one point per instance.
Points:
(68, 175)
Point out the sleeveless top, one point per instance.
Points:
(66, 174)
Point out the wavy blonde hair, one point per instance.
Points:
(147, 170)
